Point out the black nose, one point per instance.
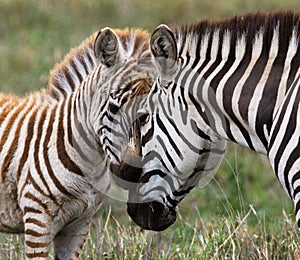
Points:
(151, 215)
(125, 175)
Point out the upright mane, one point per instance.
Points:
(81, 61)
(135, 43)
(248, 25)
(69, 73)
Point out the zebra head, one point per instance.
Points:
(178, 146)
(125, 79)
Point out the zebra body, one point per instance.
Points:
(55, 146)
(284, 146)
(237, 80)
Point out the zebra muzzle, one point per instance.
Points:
(129, 171)
(151, 215)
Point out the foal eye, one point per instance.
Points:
(143, 118)
(113, 108)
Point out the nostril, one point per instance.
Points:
(157, 207)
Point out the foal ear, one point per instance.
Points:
(164, 50)
(106, 47)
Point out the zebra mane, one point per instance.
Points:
(69, 73)
(81, 61)
(135, 42)
(249, 26)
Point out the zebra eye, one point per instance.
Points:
(113, 108)
(143, 118)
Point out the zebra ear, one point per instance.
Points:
(106, 47)
(164, 50)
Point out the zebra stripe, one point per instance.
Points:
(236, 80)
(53, 148)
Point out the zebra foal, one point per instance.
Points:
(55, 144)
(235, 79)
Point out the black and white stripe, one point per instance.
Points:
(235, 79)
(55, 144)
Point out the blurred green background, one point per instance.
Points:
(34, 35)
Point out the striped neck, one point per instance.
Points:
(83, 141)
(239, 70)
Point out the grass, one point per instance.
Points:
(243, 213)
(238, 215)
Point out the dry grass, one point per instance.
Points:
(222, 238)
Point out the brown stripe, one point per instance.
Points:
(5, 110)
(84, 65)
(14, 145)
(75, 69)
(36, 234)
(4, 99)
(31, 210)
(90, 59)
(70, 134)
(67, 162)
(37, 162)
(9, 124)
(8, 100)
(57, 184)
(35, 255)
(36, 222)
(31, 180)
(27, 143)
(20, 192)
(32, 197)
(69, 79)
(37, 244)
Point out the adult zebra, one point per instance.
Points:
(55, 144)
(235, 79)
